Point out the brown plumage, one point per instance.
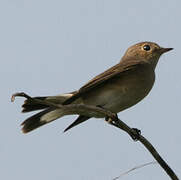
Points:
(116, 89)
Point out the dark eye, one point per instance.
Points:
(146, 47)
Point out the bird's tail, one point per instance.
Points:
(41, 118)
(49, 114)
(32, 104)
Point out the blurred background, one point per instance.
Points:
(52, 47)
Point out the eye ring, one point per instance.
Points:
(146, 47)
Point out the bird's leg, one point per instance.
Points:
(110, 120)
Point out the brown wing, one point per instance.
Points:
(113, 72)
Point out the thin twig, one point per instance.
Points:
(132, 169)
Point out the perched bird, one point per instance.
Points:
(116, 89)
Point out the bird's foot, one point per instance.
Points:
(110, 120)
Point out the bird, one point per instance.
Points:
(116, 89)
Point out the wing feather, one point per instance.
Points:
(117, 70)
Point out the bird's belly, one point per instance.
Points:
(117, 96)
(124, 98)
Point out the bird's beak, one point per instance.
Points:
(164, 50)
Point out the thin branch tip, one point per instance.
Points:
(20, 94)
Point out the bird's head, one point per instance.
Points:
(148, 52)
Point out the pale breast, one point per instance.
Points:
(123, 92)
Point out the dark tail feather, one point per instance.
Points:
(79, 120)
(34, 121)
(32, 105)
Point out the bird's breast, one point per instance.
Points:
(122, 92)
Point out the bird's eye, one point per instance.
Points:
(146, 47)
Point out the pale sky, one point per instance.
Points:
(52, 47)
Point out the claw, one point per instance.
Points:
(110, 120)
